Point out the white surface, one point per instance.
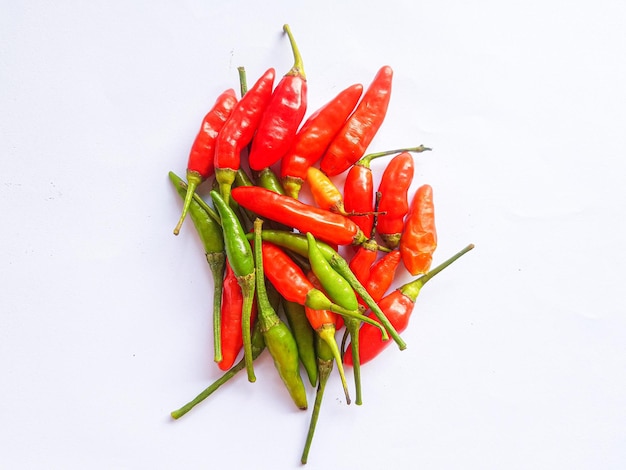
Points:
(517, 354)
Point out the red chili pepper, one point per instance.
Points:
(313, 138)
(394, 203)
(239, 129)
(200, 164)
(398, 307)
(361, 262)
(231, 331)
(283, 115)
(326, 225)
(353, 139)
(358, 189)
(419, 237)
(382, 275)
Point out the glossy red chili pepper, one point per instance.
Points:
(231, 327)
(355, 136)
(398, 307)
(313, 138)
(358, 189)
(394, 204)
(382, 275)
(200, 164)
(326, 225)
(239, 129)
(419, 237)
(283, 115)
(361, 263)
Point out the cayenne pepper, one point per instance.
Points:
(282, 116)
(356, 134)
(419, 236)
(200, 164)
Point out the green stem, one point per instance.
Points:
(352, 326)
(298, 65)
(367, 159)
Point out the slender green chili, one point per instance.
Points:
(240, 257)
(305, 337)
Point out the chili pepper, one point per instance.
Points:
(339, 291)
(325, 193)
(394, 186)
(267, 179)
(212, 239)
(381, 275)
(331, 227)
(314, 137)
(361, 263)
(239, 129)
(200, 164)
(325, 367)
(398, 307)
(299, 244)
(258, 345)
(231, 330)
(305, 337)
(278, 339)
(240, 258)
(358, 131)
(419, 237)
(283, 115)
(358, 189)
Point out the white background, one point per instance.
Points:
(517, 353)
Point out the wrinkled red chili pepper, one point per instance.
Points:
(200, 164)
(239, 129)
(231, 328)
(355, 136)
(282, 116)
(394, 204)
(419, 237)
(314, 137)
(326, 225)
(398, 307)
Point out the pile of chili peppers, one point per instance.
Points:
(289, 274)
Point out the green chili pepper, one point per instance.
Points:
(305, 337)
(267, 179)
(340, 292)
(241, 260)
(212, 239)
(258, 345)
(298, 243)
(325, 367)
(278, 339)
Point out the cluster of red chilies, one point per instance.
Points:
(270, 252)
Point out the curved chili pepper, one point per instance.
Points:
(258, 345)
(298, 243)
(419, 237)
(325, 367)
(231, 330)
(356, 134)
(394, 204)
(339, 291)
(326, 225)
(239, 129)
(241, 260)
(314, 137)
(358, 189)
(200, 164)
(210, 233)
(305, 337)
(283, 115)
(278, 338)
(398, 307)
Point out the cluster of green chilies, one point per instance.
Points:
(324, 265)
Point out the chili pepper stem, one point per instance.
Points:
(412, 289)
(366, 160)
(352, 326)
(209, 210)
(194, 179)
(325, 368)
(217, 263)
(298, 65)
(247, 284)
(225, 178)
(328, 336)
